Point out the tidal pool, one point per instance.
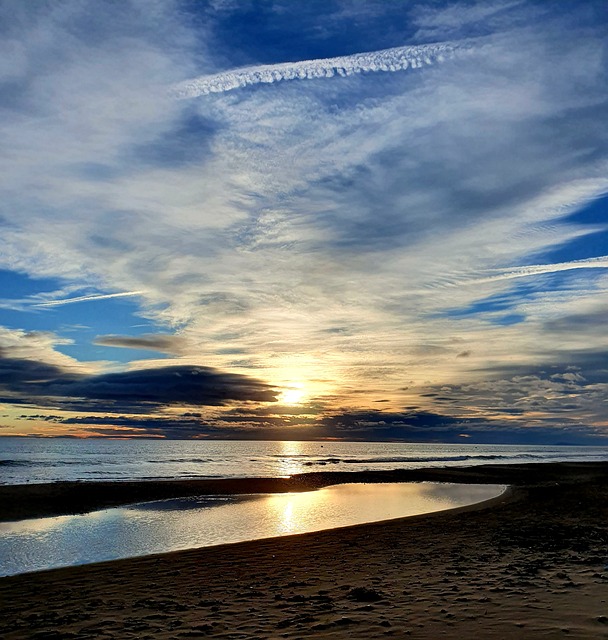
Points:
(185, 523)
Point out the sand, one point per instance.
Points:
(531, 564)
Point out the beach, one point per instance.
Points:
(529, 564)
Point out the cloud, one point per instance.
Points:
(309, 232)
(440, 20)
(39, 348)
(152, 342)
(47, 385)
(428, 427)
(589, 325)
(182, 385)
(366, 426)
(260, 425)
(394, 59)
(18, 375)
(567, 391)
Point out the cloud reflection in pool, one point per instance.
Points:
(169, 525)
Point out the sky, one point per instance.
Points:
(278, 219)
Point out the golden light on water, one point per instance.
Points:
(162, 526)
(290, 461)
(292, 511)
(287, 523)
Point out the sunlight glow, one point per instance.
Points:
(296, 394)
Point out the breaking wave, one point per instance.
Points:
(14, 463)
(413, 460)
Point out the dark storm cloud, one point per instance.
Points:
(395, 425)
(424, 426)
(411, 426)
(365, 425)
(188, 385)
(43, 384)
(19, 373)
(184, 428)
(173, 429)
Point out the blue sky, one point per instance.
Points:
(279, 219)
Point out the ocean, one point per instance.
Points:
(36, 460)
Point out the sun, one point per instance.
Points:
(295, 394)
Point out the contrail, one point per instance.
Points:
(103, 296)
(601, 262)
(395, 59)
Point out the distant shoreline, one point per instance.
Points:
(18, 502)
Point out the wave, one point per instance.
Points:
(409, 459)
(59, 463)
(179, 460)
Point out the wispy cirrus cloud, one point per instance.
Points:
(438, 20)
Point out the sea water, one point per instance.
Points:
(170, 525)
(35, 460)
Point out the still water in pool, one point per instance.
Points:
(170, 525)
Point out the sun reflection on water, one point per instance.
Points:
(294, 512)
(290, 461)
(167, 526)
(286, 523)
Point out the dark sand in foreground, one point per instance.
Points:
(529, 565)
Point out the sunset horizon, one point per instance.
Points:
(358, 221)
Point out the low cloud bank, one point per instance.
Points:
(27, 381)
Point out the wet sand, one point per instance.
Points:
(531, 564)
